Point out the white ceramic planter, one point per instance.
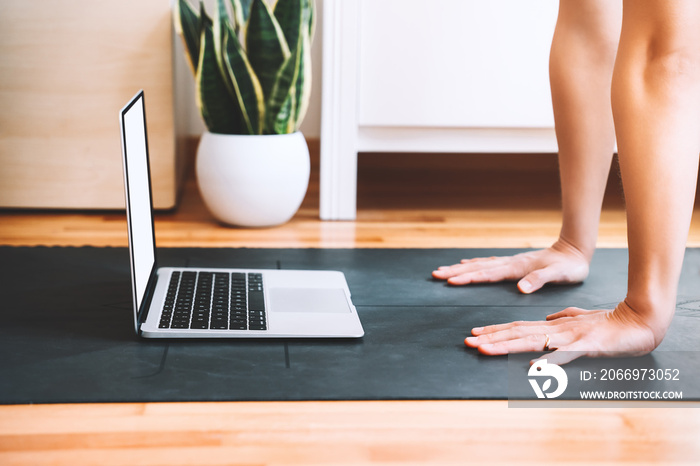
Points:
(253, 181)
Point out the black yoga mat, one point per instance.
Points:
(67, 330)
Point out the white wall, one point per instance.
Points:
(187, 118)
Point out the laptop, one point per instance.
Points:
(219, 302)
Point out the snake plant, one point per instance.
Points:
(251, 62)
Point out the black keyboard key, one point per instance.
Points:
(256, 301)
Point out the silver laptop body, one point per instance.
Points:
(215, 302)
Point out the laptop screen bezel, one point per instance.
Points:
(140, 312)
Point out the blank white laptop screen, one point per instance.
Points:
(139, 213)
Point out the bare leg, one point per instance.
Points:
(581, 67)
(656, 106)
(656, 102)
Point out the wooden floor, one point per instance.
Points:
(404, 201)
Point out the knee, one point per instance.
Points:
(672, 64)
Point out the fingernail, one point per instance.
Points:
(477, 329)
(525, 286)
(470, 340)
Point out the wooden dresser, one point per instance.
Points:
(66, 69)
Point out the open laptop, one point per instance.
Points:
(215, 302)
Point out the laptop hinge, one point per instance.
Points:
(148, 296)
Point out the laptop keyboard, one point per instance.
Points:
(214, 300)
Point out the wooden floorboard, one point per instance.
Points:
(404, 201)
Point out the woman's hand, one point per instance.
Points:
(572, 333)
(561, 263)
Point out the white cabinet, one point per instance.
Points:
(438, 76)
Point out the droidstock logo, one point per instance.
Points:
(543, 370)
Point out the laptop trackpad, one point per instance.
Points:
(308, 300)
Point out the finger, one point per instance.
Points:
(446, 271)
(568, 312)
(481, 259)
(537, 279)
(441, 274)
(476, 331)
(449, 271)
(483, 270)
(512, 333)
(529, 343)
(488, 275)
(551, 335)
(572, 312)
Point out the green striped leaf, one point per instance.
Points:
(303, 82)
(284, 123)
(222, 16)
(288, 14)
(246, 5)
(281, 104)
(187, 25)
(237, 15)
(217, 106)
(204, 21)
(241, 12)
(246, 86)
(310, 18)
(237, 73)
(222, 24)
(265, 45)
